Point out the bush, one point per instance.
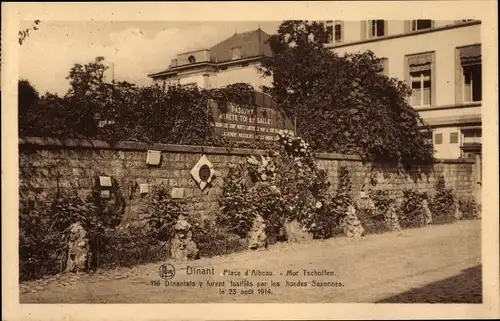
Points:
(161, 213)
(69, 209)
(374, 219)
(234, 214)
(44, 231)
(129, 246)
(382, 202)
(40, 249)
(370, 221)
(442, 203)
(285, 185)
(411, 211)
(213, 240)
(331, 214)
(469, 208)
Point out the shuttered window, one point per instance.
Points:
(420, 75)
(438, 139)
(453, 138)
(471, 73)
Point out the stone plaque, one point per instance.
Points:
(243, 122)
(177, 192)
(105, 181)
(153, 158)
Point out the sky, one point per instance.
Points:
(136, 48)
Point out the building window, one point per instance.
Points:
(244, 64)
(335, 31)
(192, 59)
(420, 78)
(384, 66)
(471, 74)
(438, 139)
(377, 28)
(453, 138)
(223, 68)
(236, 53)
(420, 24)
(338, 31)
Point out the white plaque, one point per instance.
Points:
(153, 158)
(177, 192)
(143, 188)
(105, 181)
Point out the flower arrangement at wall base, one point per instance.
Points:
(282, 187)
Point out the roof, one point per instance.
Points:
(252, 43)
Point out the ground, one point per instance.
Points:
(431, 264)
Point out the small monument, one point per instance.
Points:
(182, 246)
(457, 214)
(392, 218)
(295, 233)
(257, 235)
(79, 254)
(427, 212)
(353, 227)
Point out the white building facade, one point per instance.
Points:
(439, 60)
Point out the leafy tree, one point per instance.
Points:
(28, 98)
(23, 34)
(343, 104)
(118, 111)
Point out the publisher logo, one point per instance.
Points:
(166, 271)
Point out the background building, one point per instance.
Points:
(440, 60)
(233, 60)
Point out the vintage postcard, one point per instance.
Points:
(235, 160)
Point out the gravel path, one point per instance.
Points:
(431, 264)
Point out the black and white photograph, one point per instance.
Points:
(338, 159)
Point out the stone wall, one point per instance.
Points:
(50, 166)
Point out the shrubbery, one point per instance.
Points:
(283, 186)
(469, 208)
(213, 240)
(129, 246)
(39, 249)
(443, 203)
(123, 111)
(374, 218)
(411, 213)
(44, 231)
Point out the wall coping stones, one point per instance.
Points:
(139, 146)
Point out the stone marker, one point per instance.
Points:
(257, 235)
(392, 218)
(427, 212)
(353, 227)
(79, 255)
(294, 233)
(182, 246)
(457, 214)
